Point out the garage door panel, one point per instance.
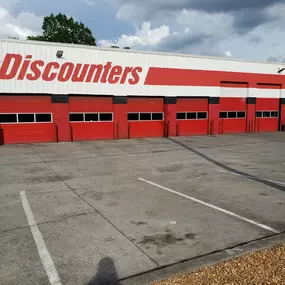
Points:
(145, 105)
(29, 133)
(92, 131)
(232, 104)
(25, 104)
(90, 104)
(265, 107)
(86, 117)
(186, 128)
(263, 104)
(192, 104)
(266, 125)
(228, 126)
(146, 129)
(189, 121)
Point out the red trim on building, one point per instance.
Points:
(193, 77)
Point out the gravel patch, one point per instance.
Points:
(263, 267)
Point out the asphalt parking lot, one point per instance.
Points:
(86, 212)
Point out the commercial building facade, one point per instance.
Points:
(59, 92)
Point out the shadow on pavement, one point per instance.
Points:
(106, 273)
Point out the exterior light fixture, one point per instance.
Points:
(59, 54)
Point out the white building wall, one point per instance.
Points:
(89, 55)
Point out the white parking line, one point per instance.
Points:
(213, 207)
(249, 176)
(40, 243)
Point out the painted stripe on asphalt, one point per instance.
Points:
(249, 176)
(40, 243)
(213, 207)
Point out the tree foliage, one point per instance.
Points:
(62, 29)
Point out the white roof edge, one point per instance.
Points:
(135, 51)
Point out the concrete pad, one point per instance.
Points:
(12, 214)
(20, 262)
(245, 197)
(144, 214)
(26, 173)
(62, 151)
(13, 189)
(77, 245)
(53, 206)
(138, 226)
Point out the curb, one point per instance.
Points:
(190, 265)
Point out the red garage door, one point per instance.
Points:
(192, 116)
(232, 115)
(267, 115)
(145, 117)
(91, 118)
(26, 119)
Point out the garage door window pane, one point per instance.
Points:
(145, 116)
(26, 118)
(157, 116)
(202, 115)
(241, 114)
(41, 118)
(274, 114)
(223, 115)
(91, 117)
(8, 118)
(76, 117)
(181, 116)
(191, 116)
(258, 114)
(266, 114)
(133, 116)
(107, 117)
(232, 115)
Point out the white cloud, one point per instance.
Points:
(228, 53)
(241, 29)
(144, 37)
(20, 26)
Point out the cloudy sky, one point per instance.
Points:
(248, 29)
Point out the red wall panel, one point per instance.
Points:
(170, 120)
(250, 118)
(145, 105)
(228, 126)
(192, 127)
(25, 104)
(213, 117)
(61, 119)
(121, 121)
(193, 77)
(232, 104)
(263, 104)
(192, 104)
(28, 133)
(92, 131)
(146, 129)
(282, 118)
(90, 104)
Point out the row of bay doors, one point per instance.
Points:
(25, 119)
(146, 117)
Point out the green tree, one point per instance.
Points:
(62, 29)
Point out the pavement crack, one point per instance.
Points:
(228, 168)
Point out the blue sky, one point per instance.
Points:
(242, 29)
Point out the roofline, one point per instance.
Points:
(43, 43)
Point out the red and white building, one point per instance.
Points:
(53, 92)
